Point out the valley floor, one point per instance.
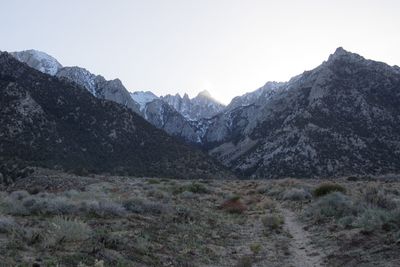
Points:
(59, 219)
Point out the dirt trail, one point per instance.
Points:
(304, 254)
(291, 246)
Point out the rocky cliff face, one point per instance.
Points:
(202, 106)
(112, 90)
(341, 118)
(165, 117)
(53, 122)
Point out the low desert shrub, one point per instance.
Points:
(346, 222)
(193, 187)
(352, 179)
(333, 205)
(46, 204)
(272, 221)
(255, 248)
(23, 204)
(143, 206)
(71, 193)
(373, 219)
(19, 195)
(63, 229)
(275, 192)
(188, 195)
(80, 171)
(262, 189)
(49, 206)
(153, 181)
(395, 217)
(103, 208)
(268, 204)
(11, 170)
(183, 214)
(296, 194)
(376, 197)
(197, 188)
(288, 182)
(7, 224)
(326, 188)
(20, 237)
(155, 193)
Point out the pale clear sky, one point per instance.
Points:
(228, 47)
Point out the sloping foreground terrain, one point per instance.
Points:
(56, 219)
(55, 123)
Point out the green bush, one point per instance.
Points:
(326, 188)
(234, 198)
(334, 205)
(193, 187)
(272, 221)
(197, 188)
(153, 181)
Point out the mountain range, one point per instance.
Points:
(55, 122)
(341, 118)
(172, 114)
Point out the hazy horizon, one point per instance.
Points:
(226, 47)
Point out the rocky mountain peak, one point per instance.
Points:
(340, 51)
(38, 60)
(205, 94)
(116, 82)
(200, 107)
(342, 54)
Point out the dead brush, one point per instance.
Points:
(375, 196)
(233, 205)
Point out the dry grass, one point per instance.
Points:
(122, 221)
